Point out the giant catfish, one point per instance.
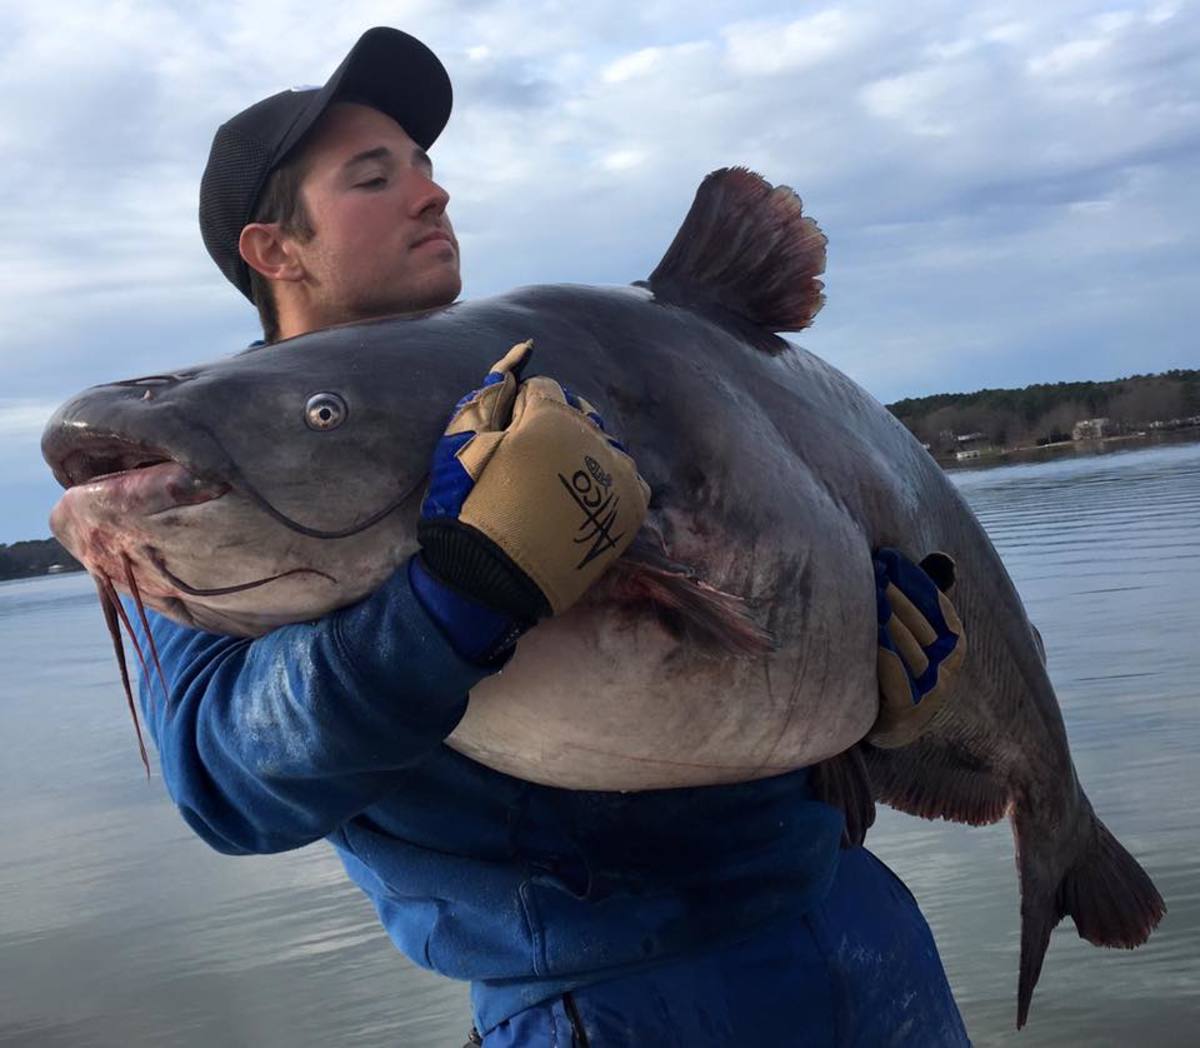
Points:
(735, 640)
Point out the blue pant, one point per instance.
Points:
(861, 969)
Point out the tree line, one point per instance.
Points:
(22, 560)
(1038, 414)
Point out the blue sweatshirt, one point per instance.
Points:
(334, 729)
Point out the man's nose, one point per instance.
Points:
(430, 197)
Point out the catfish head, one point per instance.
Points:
(269, 487)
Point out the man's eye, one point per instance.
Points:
(373, 183)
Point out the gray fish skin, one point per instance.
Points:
(734, 502)
(773, 476)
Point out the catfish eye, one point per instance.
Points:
(325, 411)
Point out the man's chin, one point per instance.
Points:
(440, 291)
(435, 294)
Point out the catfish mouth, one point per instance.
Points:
(118, 463)
(102, 456)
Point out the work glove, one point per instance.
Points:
(921, 643)
(530, 501)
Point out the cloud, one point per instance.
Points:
(915, 100)
(24, 418)
(1007, 187)
(629, 67)
(768, 47)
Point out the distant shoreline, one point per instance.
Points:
(35, 558)
(1018, 423)
(1060, 448)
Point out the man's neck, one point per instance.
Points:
(293, 323)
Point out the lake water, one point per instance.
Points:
(118, 927)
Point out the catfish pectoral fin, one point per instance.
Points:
(686, 605)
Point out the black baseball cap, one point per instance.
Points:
(387, 69)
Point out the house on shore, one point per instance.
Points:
(1093, 429)
(971, 446)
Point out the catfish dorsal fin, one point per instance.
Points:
(746, 246)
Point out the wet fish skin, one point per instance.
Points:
(774, 476)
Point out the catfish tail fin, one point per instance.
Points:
(1109, 896)
(746, 246)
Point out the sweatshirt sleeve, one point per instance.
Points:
(269, 744)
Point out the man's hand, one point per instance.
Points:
(529, 503)
(921, 643)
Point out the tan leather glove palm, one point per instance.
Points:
(542, 502)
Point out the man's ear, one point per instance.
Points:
(265, 248)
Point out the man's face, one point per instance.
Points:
(382, 242)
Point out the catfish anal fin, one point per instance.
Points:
(935, 779)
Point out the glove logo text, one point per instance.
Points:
(591, 488)
(598, 474)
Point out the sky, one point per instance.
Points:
(1008, 188)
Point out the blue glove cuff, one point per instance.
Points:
(481, 635)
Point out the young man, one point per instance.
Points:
(715, 916)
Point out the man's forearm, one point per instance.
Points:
(269, 744)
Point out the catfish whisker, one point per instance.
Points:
(111, 606)
(141, 609)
